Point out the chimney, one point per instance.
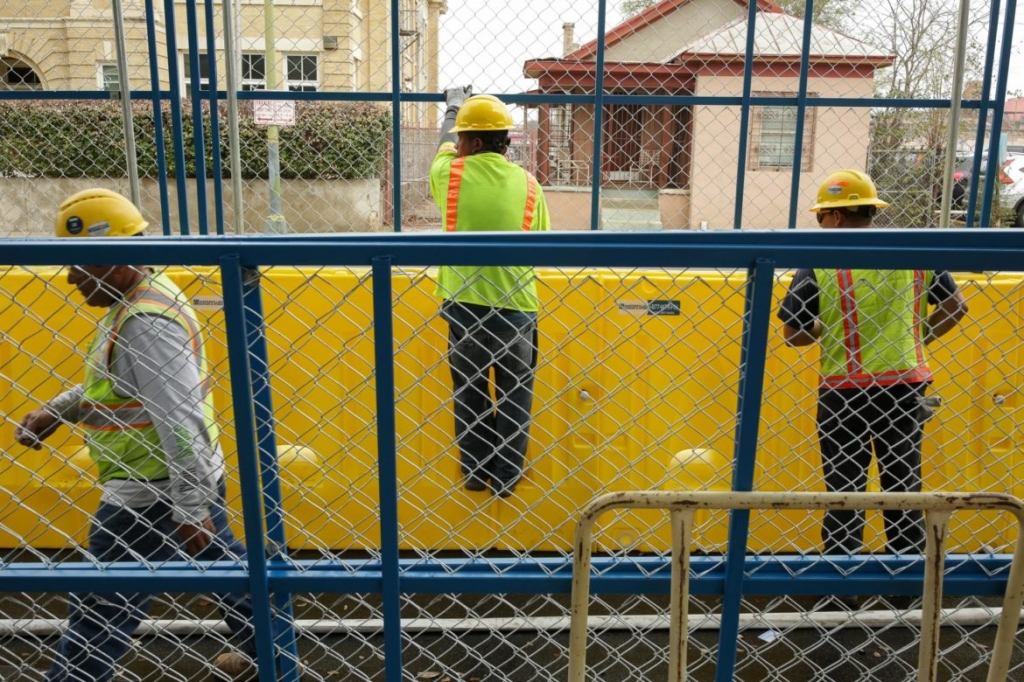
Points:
(567, 44)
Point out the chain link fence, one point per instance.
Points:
(636, 389)
(637, 370)
(663, 165)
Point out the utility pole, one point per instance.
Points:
(275, 220)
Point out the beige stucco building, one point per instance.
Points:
(322, 45)
(677, 166)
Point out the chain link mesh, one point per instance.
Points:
(630, 395)
(637, 374)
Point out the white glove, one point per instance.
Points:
(454, 97)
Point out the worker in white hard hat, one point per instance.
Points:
(491, 311)
(147, 415)
(874, 327)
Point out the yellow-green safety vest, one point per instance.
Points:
(120, 434)
(873, 327)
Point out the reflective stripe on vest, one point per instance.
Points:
(894, 344)
(120, 433)
(455, 183)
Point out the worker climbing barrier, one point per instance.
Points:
(671, 156)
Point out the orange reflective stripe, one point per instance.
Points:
(919, 291)
(454, 182)
(531, 200)
(98, 406)
(916, 375)
(851, 335)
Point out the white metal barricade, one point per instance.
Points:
(683, 505)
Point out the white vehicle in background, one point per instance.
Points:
(1011, 187)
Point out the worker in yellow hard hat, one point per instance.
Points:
(873, 327)
(145, 410)
(491, 311)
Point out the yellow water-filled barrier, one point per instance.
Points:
(635, 390)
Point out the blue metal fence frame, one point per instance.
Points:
(271, 577)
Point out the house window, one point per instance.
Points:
(107, 78)
(254, 71)
(302, 73)
(19, 76)
(773, 137)
(357, 67)
(204, 73)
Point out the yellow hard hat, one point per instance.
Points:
(98, 212)
(482, 113)
(847, 188)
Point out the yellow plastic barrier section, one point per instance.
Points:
(636, 390)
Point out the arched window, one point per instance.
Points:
(17, 75)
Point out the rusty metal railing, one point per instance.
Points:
(683, 505)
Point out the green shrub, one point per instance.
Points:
(84, 139)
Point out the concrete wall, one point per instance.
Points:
(569, 207)
(675, 209)
(838, 139)
(28, 205)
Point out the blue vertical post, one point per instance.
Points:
(387, 466)
(177, 133)
(218, 184)
(986, 90)
(757, 316)
(198, 137)
(801, 109)
(158, 120)
(266, 441)
(248, 462)
(997, 114)
(595, 171)
(741, 156)
(396, 118)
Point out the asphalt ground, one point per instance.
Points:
(833, 654)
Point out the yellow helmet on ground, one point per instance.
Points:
(845, 189)
(481, 114)
(98, 212)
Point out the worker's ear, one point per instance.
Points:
(475, 145)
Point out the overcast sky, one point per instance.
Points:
(485, 42)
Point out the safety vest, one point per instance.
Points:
(120, 433)
(873, 327)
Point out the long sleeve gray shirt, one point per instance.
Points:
(154, 363)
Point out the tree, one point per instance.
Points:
(834, 14)
(921, 37)
(631, 7)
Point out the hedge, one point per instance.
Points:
(84, 139)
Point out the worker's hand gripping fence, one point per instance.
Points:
(683, 506)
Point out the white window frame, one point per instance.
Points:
(186, 81)
(764, 131)
(301, 85)
(102, 70)
(251, 84)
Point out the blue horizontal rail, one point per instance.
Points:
(966, 574)
(648, 100)
(937, 249)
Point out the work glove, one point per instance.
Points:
(454, 97)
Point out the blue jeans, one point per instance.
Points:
(493, 433)
(100, 626)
